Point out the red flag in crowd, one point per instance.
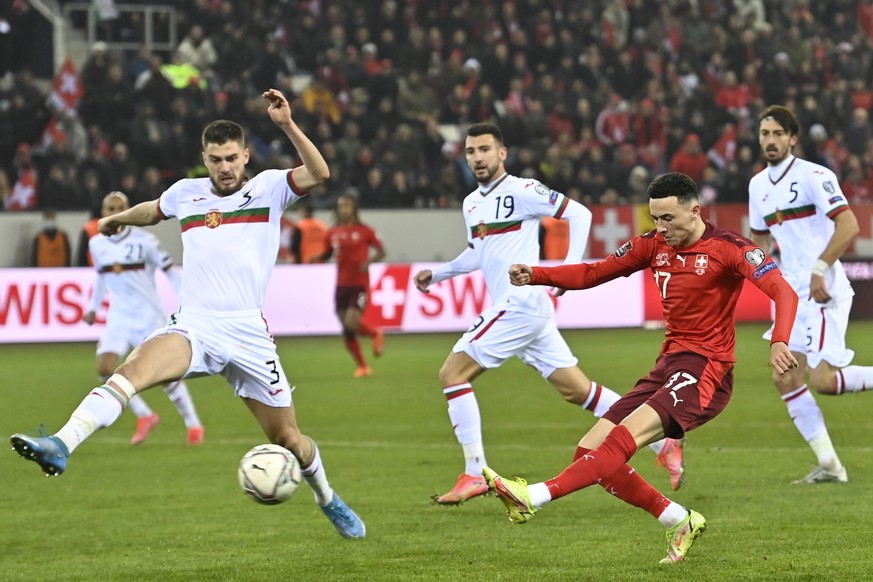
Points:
(67, 88)
(66, 93)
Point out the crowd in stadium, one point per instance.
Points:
(595, 98)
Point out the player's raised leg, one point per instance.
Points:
(160, 359)
(577, 389)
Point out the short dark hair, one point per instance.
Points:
(783, 116)
(485, 128)
(673, 184)
(222, 131)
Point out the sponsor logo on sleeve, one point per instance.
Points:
(553, 197)
(835, 199)
(764, 269)
(755, 257)
(828, 187)
(623, 250)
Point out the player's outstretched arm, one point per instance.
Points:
(143, 214)
(314, 170)
(778, 289)
(465, 262)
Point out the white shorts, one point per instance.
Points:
(499, 335)
(236, 345)
(121, 336)
(820, 332)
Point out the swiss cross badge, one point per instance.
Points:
(212, 219)
(482, 229)
(701, 263)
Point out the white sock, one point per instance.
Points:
(181, 399)
(539, 495)
(474, 458)
(464, 415)
(672, 515)
(139, 407)
(100, 408)
(599, 399)
(825, 453)
(809, 420)
(315, 477)
(854, 379)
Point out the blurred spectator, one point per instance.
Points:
(857, 183)
(858, 132)
(121, 164)
(287, 228)
(149, 187)
(416, 102)
(88, 231)
(582, 77)
(51, 246)
(153, 85)
(613, 125)
(320, 102)
(690, 159)
(198, 51)
(57, 189)
(309, 237)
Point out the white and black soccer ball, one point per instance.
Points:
(269, 474)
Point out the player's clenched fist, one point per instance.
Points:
(520, 274)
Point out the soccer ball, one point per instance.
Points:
(269, 474)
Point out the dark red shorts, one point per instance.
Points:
(685, 389)
(350, 298)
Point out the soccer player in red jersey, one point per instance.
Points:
(700, 270)
(351, 241)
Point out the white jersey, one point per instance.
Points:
(795, 202)
(230, 242)
(126, 264)
(503, 228)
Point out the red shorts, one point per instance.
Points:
(350, 298)
(685, 389)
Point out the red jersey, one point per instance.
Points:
(699, 286)
(350, 244)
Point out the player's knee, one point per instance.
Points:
(823, 383)
(449, 376)
(288, 437)
(104, 371)
(787, 381)
(348, 334)
(574, 396)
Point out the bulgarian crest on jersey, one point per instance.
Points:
(482, 230)
(212, 219)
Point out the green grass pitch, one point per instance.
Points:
(165, 511)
